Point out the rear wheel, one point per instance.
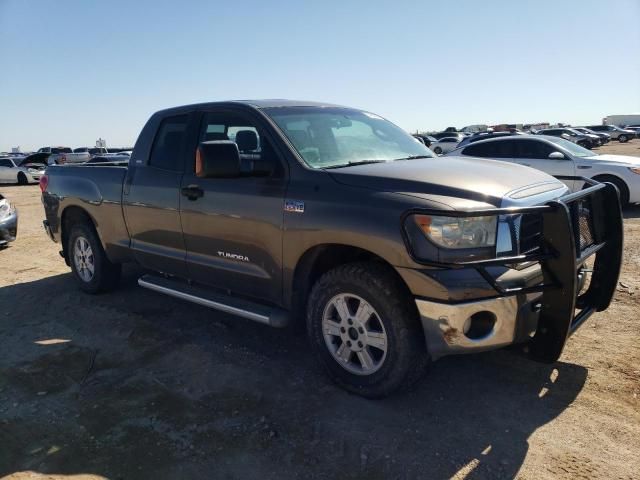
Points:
(623, 138)
(92, 269)
(365, 331)
(22, 179)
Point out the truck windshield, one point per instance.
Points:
(332, 137)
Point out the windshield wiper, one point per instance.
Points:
(413, 157)
(351, 164)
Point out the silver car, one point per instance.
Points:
(11, 171)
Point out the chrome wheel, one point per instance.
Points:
(354, 334)
(83, 259)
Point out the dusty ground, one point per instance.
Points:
(136, 385)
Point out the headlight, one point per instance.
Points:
(635, 170)
(459, 232)
(5, 208)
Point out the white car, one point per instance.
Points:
(560, 157)
(444, 145)
(11, 172)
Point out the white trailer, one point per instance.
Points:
(622, 120)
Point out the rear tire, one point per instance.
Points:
(623, 138)
(91, 268)
(22, 179)
(365, 330)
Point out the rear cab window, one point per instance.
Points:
(168, 145)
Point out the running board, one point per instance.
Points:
(272, 316)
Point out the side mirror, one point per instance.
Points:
(218, 159)
(556, 156)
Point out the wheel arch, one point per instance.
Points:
(319, 259)
(604, 177)
(71, 215)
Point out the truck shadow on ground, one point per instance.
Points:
(133, 384)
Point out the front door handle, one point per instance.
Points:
(192, 192)
(584, 167)
(525, 164)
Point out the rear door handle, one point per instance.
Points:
(525, 164)
(192, 192)
(584, 167)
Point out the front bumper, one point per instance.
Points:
(9, 228)
(579, 227)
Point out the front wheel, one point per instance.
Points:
(437, 150)
(623, 138)
(22, 179)
(92, 269)
(365, 330)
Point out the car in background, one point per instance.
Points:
(426, 139)
(616, 133)
(444, 145)
(8, 222)
(486, 135)
(562, 158)
(584, 140)
(13, 171)
(604, 137)
(62, 155)
(441, 135)
(634, 128)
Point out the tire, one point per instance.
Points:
(623, 138)
(22, 179)
(391, 323)
(437, 151)
(619, 183)
(91, 268)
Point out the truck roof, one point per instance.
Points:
(264, 103)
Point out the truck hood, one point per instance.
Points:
(469, 178)
(611, 159)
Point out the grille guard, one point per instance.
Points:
(560, 258)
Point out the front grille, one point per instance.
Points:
(530, 233)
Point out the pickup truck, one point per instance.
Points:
(62, 155)
(282, 212)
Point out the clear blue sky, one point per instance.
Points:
(73, 71)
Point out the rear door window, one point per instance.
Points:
(168, 146)
(6, 163)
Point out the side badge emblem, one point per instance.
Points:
(294, 206)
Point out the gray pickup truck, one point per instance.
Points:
(279, 211)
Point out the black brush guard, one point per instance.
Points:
(569, 239)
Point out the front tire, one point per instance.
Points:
(365, 330)
(623, 138)
(22, 179)
(437, 151)
(619, 183)
(93, 271)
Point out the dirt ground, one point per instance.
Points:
(133, 384)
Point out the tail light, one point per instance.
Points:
(44, 182)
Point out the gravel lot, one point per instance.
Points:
(133, 384)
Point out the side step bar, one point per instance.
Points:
(272, 316)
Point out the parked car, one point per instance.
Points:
(485, 135)
(604, 137)
(62, 155)
(634, 128)
(582, 139)
(12, 171)
(337, 216)
(616, 133)
(441, 135)
(444, 145)
(8, 222)
(426, 139)
(560, 157)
